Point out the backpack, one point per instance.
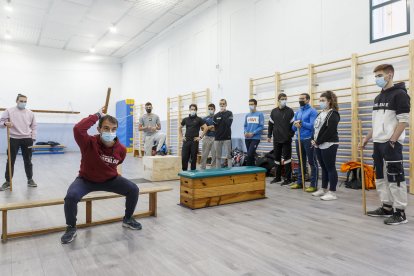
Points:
(355, 182)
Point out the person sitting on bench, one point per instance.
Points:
(101, 154)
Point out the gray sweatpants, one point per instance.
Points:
(149, 142)
(208, 145)
(219, 149)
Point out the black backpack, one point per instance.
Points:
(355, 182)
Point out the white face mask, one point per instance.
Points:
(282, 103)
(193, 113)
(222, 108)
(211, 112)
(251, 107)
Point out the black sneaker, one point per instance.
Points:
(276, 180)
(286, 182)
(31, 183)
(69, 235)
(380, 212)
(5, 186)
(397, 218)
(131, 223)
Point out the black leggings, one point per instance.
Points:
(327, 160)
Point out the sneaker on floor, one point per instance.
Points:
(310, 189)
(296, 186)
(31, 183)
(380, 212)
(397, 218)
(131, 223)
(69, 235)
(5, 186)
(329, 196)
(319, 192)
(286, 182)
(276, 181)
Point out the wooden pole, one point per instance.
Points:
(10, 159)
(108, 96)
(300, 160)
(354, 106)
(311, 83)
(364, 199)
(277, 88)
(179, 123)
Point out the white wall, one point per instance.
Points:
(57, 80)
(247, 38)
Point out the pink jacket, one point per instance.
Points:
(23, 120)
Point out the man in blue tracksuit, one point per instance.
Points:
(304, 120)
(253, 127)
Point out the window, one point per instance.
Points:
(388, 19)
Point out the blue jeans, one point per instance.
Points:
(327, 161)
(81, 187)
(251, 145)
(308, 154)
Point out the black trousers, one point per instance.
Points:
(81, 187)
(189, 150)
(251, 145)
(283, 150)
(24, 145)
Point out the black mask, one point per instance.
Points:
(302, 103)
(148, 110)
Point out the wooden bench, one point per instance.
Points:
(152, 211)
(205, 188)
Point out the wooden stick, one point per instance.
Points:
(364, 199)
(108, 95)
(10, 159)
(300, 160)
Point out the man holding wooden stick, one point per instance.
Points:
(390, 117)
(22, 125)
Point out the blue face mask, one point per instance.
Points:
(251, 107)
(381, 82)
(108, 136)
(21, 105)
(323, 105)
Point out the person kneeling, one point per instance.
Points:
(101, 154)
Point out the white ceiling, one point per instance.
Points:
(78, 25)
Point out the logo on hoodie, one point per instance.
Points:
(109, 159)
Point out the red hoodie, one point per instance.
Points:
(98, 163)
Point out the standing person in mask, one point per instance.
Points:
(326, 142)
(22, 124)
(192, 137)
(304, 120)
(208, 140)
(150, 124)
(253, 127)
(390, 118)
(222, 123)
(101, 154)
(280, 126)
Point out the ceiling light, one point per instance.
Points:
(112, 29)
(8, 7)
(92, 50)
(7, 36)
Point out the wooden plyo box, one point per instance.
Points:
(161, 168)
(199, 189)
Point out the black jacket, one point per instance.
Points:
(280, 125)
(222, 125)
(329, 129)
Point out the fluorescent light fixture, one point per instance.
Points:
(92, 50)
(112, 29)
(8, 7)
(7, 36)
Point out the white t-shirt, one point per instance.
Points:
(320, 120)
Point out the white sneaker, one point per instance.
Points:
(329, 196)
(319, 192)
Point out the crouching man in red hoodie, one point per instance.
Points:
(101, 154)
